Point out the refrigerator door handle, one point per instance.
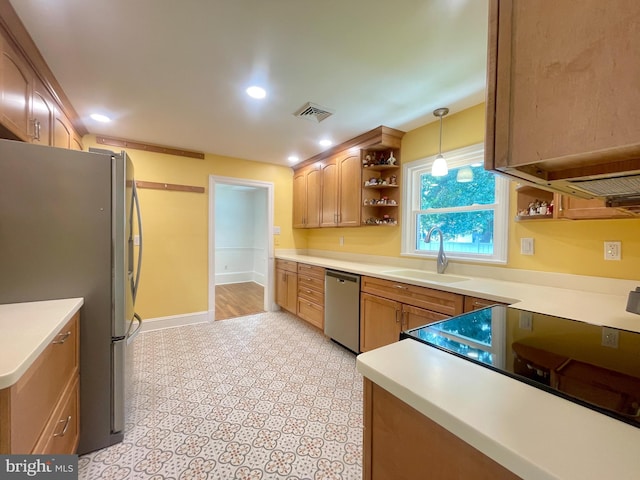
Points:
(133, 334)
(136, 202)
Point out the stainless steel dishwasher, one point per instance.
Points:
(342, 308)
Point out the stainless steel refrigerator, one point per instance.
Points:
(67, 222)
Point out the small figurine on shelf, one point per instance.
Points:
(543, 208)
(391, 160)
(393, 180)
(367, 160)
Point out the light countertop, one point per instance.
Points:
(599, 301)
(25, 331)
(535, 434)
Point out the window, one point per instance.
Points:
(469, 206)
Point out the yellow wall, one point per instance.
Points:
(175, 272)
(175, 267)
(560, 246)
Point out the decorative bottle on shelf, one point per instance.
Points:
(391, 160)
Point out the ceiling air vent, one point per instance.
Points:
(313, 112)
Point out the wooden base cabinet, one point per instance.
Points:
(287, 285)
(387, 308)
(400, 443)
(39, 413)
(382, 320)
(311, 294)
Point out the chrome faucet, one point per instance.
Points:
(442, 257)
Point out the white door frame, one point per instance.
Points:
(269, 293)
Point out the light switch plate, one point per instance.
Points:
(526, 246)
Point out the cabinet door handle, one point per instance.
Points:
(64, 429)
(62, 338)
(397, 320)
(402, 287)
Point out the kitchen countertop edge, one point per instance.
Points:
(27, 328)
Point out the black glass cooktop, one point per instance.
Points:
(595, 366)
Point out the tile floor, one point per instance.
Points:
(253, 398)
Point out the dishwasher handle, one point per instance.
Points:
(342, 276)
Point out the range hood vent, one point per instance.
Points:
(311, 111)
(610, 187)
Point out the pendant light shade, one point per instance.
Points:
(439, 167)
(465, 175)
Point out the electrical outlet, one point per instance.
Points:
(609, 337)
(341, 241)
(526, 246)
(612, 250)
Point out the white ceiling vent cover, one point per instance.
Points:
(313, 112)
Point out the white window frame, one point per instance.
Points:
(455, 158)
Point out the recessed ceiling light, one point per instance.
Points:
(293, 159)
(326, 143)
(98, 117)
(256, 92)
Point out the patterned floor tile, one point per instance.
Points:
(253, 398)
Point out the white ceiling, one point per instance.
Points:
(174, 72)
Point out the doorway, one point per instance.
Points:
(240, 247)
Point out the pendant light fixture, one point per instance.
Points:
(439, 167)
(465, 175)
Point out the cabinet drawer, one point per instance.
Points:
(311, 312)
(61, 434)
(36, 394)
(475, 303)
(287, 265)
(310, 283)
(436, 300)
(311, 295)
(311, 271)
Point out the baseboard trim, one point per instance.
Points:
(172, 321)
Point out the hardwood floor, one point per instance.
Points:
(239, 299)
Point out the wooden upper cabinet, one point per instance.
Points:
(337, 175)
(562, 88)
(15, 91)
(33, 106)
(341, 190)
(42, 114)
(574, 208)
(62, 131)
(306, 198)
(329, 196)
(349, 190)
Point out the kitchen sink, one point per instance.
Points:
(427, 276)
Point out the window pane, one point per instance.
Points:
(464, 232)
(447, 191)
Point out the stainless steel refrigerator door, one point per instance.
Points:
(122, 239)
(55, 242)
(118, 384)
